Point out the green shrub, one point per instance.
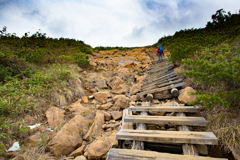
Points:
(218, 70)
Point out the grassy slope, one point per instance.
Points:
(36, 72)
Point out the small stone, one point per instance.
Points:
(104, 101)
(109, 130)
(162, 128)
(171, 129)
(80, 158)
(94, 101)
(107, 116)
(106, 106)
(86, 154)
(132, 103)
(155, 101)
(112, 121)
(85, 99)
(98, 106)
(202, 149)
(104, 126)
(29, 120)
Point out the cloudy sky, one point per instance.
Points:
(109, 22)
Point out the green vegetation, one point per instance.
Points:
(188, 42)
(36, 72)
(211, 56)
(101, 48)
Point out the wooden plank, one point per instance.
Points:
(163, 84)
(165, 108)
(158, 74)
(188, 149)
(160, 68)
(158, 83)
(162, 89)
(142, 126)
(126, 154)
(163, 80)
(126, 125)
(172, 74)
(191, 121)
(168, 136)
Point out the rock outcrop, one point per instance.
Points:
(121, 101)
(99, 148)
(118, 86)
(184, 95)
(99, 96)
(68, 138)
(55, 116)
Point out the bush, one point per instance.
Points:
(218, 70)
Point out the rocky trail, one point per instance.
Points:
(133, 139)
(132, 107)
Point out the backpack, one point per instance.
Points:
(160, 49)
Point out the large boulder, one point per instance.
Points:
(99, 96)
(106, 106)
(76, 108)
(135, 98)
(116, 114)
(121, 101)
(100, 83)
(98, 122)
(99, 148)
(184, 95)
(68, 138)
(79, 151)
(122, 72)
(107, 116)
(32, 140)
(55, 116)
(118, 86)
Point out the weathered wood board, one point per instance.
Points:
(127, 154)
(170, 120)
(168, 136)
(165, 108)
(162, 89)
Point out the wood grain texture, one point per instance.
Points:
(165, 108)
(126, 154)
(168, 136)
(170, 120)
(161, 89)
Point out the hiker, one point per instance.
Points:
(149, 47)
(160, 53)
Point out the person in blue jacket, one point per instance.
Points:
(160, 53)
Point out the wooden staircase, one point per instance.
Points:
(161, 78)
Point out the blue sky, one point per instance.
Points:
(109, 22)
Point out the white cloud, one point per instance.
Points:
(109, 22)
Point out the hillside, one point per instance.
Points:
(77, 93)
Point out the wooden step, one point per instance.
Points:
(126, 154)
(162, 89)
(171, 120)
(168, 136)
(165, 108)
(162, 85)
